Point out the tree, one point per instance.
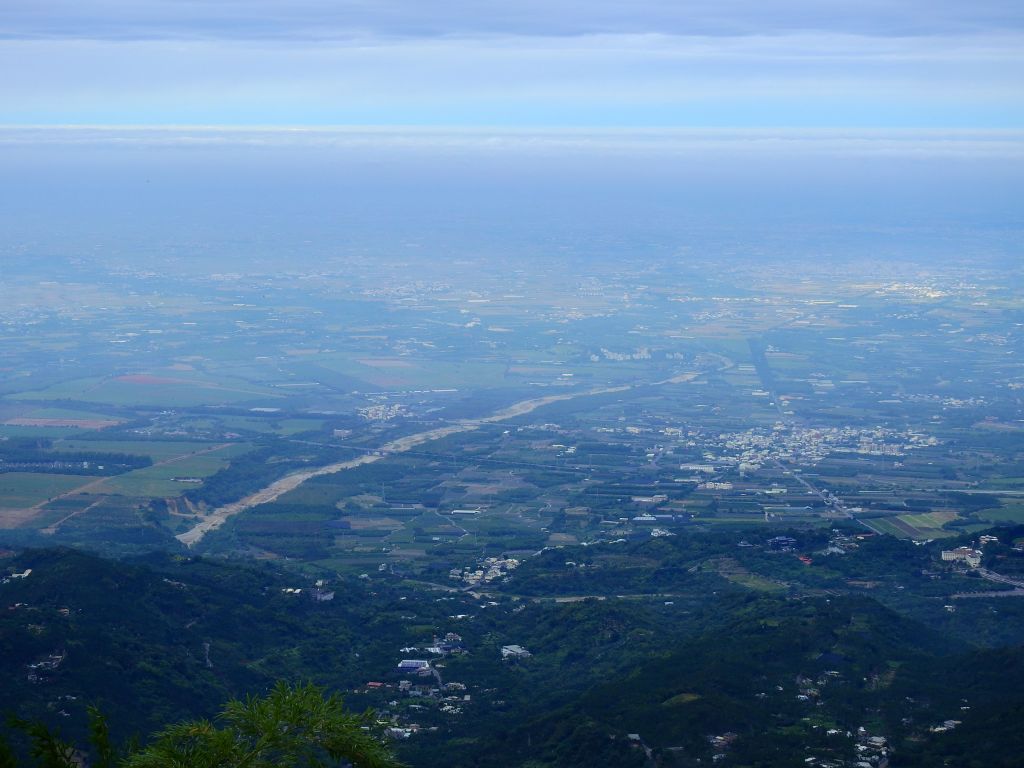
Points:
(46, 747)
(296, 726)
(293, 726)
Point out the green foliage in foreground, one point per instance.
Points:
(296, 726)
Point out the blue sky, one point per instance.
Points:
(937, 64)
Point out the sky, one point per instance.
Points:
(518, 64)
(296, 127)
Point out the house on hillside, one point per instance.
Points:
(514, 653)
(782, 543)
(962, 554)
(416, 666)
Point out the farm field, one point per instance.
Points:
(927, 525)
(414, 373)
(157, 480)
(35, 431)
(1010, 512)
(886, 526)
(1006, 484)
(918, 527)
(283, 427)
(19, 490)
(63, 417)
(157, 450)
(148, 391)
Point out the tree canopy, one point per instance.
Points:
(294, 726)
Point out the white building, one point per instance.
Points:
(514, 652)
(965, 554)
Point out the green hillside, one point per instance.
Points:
(707, 667)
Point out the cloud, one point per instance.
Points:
(332, 19)
(632, 143)
(812, 63)
(813, 80)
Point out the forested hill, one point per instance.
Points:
(782, 683)
(759, 676)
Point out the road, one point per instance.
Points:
(978, 491)
(1000, 579)
(832, 501)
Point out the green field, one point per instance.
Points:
(12, 430)
(64, 413)
(410, 373)
(885, 525)
(156, 481)
(918, 527)
(1010, 512)
(928, 525)
(159, 392)
(283, 427)
(158, 450)
(66, 390)
(1004, 483)
(26, 489)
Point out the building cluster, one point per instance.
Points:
(946, 725)
(23, 575)
(869, 750)
(382, 412)
(424, 689)
(782, 543)
(643, 353)
(720, 744)
(514, 653)
(967, 555)
(488, 569)
(420, 688)
(419, 667)
(807, 689)
(658, 498)
(751, 449)
(913, 290)
(946, 401)
(319, 593)
(46, 466)
(872, 751)
(37, 670)
(839, 543)
(391, 289)
(450, 644)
